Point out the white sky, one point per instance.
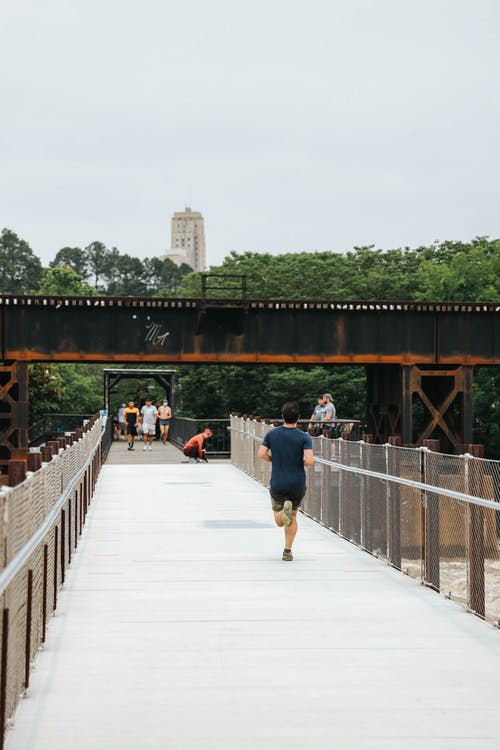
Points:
(290, 125)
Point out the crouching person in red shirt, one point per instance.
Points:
(194, 449)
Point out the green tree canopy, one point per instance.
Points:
(74, 258)
(63, 280)
(444, 271)
(20, 269)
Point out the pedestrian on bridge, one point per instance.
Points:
(194, 449)
(132, 416)
(288, 450)
(316, 421)
(329, 411)
(164, 415)
(149, 415)
(121, 420)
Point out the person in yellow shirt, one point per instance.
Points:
(131, 415)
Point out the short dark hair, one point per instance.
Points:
(290, 412)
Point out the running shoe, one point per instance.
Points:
(287, 512)
(287, 555)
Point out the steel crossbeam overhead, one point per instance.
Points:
(411, 350)
(111, 329)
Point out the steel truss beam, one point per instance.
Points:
(445, 393)
(13, 410)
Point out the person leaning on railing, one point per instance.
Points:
(329, 412)
(317, 416)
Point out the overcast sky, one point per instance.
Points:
(290, 125)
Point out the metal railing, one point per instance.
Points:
(434, 516)
(183, 428)
(50, 426)
(41, 521)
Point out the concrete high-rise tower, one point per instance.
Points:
(187, 239)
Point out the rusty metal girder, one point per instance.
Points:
(109, 329)
(13, 409)
(445, 393)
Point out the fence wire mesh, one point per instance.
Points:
(29, 595)
(398, 504)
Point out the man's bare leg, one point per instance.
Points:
(290, 531)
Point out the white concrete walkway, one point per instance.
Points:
(179, 628)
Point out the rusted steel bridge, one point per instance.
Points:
(411, 350)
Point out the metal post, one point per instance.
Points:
(406, 406)
(63, 541)
(3, 676)
(476, 539)
(76, 518)
(394, 507)
(431, 523)
(467, 404)
(366, 504)
(56, 539)
(17, 471)
(29, 610)
(69, 531)
(44, 589)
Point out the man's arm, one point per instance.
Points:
(330, 413)
(308, 457)
(264, 454)
(199, 440)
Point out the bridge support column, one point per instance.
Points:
(13, 410)
(420, 402)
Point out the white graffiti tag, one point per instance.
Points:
(156, 334)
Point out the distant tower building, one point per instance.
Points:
(187, 239)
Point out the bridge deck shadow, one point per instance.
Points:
(180, 627)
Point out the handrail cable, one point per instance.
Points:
(427, 488)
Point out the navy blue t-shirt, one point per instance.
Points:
(287, 445)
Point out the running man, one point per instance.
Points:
(164, 415)
(149, 415)
(289, 450)
(131, 414)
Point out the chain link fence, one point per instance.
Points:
(434, 516)
(41, 520)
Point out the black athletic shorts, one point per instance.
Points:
(279, 496)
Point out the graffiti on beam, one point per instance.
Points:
(156, 334)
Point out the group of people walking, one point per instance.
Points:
(130, 421)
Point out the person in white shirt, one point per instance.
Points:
(149, 415)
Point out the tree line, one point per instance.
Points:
(444, 271)
(91, 270)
